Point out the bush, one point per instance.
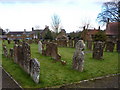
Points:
(100, 36)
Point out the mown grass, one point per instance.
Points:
(53, 74)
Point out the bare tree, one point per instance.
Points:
(56, 23)
(109, 10)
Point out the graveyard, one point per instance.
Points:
(55, 73)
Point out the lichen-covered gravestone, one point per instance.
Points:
(26, 56)
(98, 50)
(40, 47)
(35, 70)
(78, 57)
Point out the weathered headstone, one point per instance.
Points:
(118, 46)
(70, 43)
(89, 45)
(98, 50)
(78, 57)
(11, 52)
(5, 51)
(110, 46)
(40, 47)
(16, 53)
(27, 56)
(35, 70)
(75, 41)
(52, 50)
(22, 56)
(8, 41)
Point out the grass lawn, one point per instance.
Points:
(53, 74)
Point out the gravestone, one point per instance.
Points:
(16, 54)
(5, 51)
(35, 70)
(98, 50)
(22, 56)
(75, 41)
(26, 56)
(70, 42)
(110, 46)
(118, 46)
(11, 53)
(40, 47)
(78, 57)
(52, 50)
(8, 41)
(89, 45)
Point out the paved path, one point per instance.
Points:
(8, 82)
(108, 82)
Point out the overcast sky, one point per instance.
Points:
(25, 14)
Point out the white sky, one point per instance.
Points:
(18, 15)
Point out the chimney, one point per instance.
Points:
(107, 23)
(24, 30)
(84, 28)
(32, 29)
(99, 28)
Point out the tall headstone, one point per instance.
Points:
(27, 56)
(40, 47)
(35, 70)
(89, 45)
(110, 46)
(98, 50)
(70, 42)
(11, 53)
(78, 57)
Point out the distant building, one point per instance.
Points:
(112, 31)
(39, 33)
(17, 35)
(88, 34)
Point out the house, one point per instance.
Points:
(17, 35)
(40, 33)
(112, 31)
(88, 34)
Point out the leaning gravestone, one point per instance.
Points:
(110, 46)
(35, 69)
(98, 50)
(40, 47)
(78, 57)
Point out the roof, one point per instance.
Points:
(92, 31)
(18, 32)
(112, 28)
